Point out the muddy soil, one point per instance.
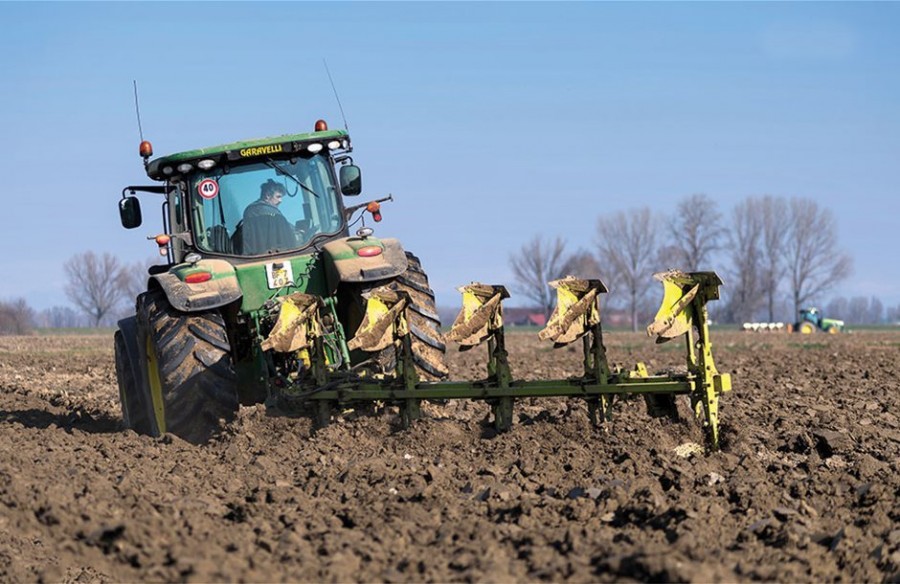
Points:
(805, 488)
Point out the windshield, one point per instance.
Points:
(266, 207)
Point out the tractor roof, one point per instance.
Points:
(245, 149)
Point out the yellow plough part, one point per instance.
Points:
(676, 314)
(480, 315)
(297, 324)
(576, 312)
(384, 320)
(683, 309)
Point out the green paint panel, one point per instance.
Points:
(309, 277)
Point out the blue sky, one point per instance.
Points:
(489, 123)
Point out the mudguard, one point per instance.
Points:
(343, 262)
(221, 289)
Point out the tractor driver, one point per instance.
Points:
(265, 228)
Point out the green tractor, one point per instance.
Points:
(245, 224)
(268, 298)
(812, 320)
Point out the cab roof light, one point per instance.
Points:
(206, 164)
(315, 147)
(145, 149)
(321, 126)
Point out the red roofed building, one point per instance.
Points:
(523, 317)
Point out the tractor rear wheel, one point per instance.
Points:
(424, 323)
(135, 402)
(806, 328)
(189, 371)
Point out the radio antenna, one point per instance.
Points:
(137, 109)
(334, 89)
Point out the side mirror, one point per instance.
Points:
(130, 212)
(351, 180)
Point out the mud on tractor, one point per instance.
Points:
(267, 298)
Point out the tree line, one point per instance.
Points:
(776, 255)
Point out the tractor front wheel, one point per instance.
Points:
(135, 402)
(189, 370)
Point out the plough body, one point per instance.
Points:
(480, 322)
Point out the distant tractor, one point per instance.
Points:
(811, 320)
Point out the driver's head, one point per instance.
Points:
(271, 192)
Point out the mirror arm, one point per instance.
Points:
(155, 189)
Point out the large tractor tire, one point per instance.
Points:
(428, 345)
(189, 371)
(134, 399)
(429, 350)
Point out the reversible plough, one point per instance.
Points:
(303, 319)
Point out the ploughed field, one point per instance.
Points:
(806, 487)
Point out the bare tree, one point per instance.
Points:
(696, 229)
(59, 317)
(133, 282)
(837, 308)
(94, 284)
(744, 245)
(893, 315)
(627, 252)
(811, 253)
(857, 310)
(775, 223)
(668, 257)
(581, 264)
(536, 263)
(876, 311)
(16, 317)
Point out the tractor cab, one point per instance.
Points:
(812, 315)
(251, 199)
